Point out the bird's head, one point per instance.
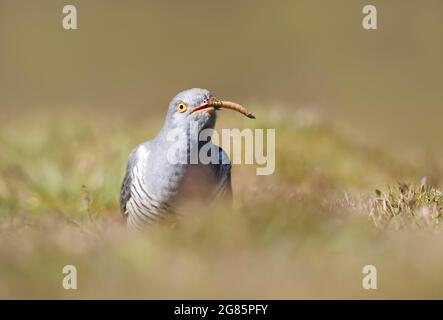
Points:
(197, 107)
(182, 111)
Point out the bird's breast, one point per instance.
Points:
(197, 183)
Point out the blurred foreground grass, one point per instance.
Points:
(304, 232)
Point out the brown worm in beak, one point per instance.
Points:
(233, 106)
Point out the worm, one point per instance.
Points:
(233, 106)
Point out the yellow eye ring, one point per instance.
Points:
(182, 107)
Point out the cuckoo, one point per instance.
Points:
(164, 170)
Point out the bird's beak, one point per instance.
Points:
(217, 104)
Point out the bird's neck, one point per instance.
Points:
(183, 142)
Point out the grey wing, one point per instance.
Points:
(222, 172)
(125, 191)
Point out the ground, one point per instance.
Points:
(334, 205)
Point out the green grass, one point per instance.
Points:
(304, 232)
(408, 206)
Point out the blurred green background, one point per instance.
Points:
(135, 55)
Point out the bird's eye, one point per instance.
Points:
(182, 107)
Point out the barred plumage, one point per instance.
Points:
(140, 207)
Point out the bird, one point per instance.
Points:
(159, 174)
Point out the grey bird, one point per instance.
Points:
(160, 172)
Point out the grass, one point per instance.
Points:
(408, 206)
(304, 232)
